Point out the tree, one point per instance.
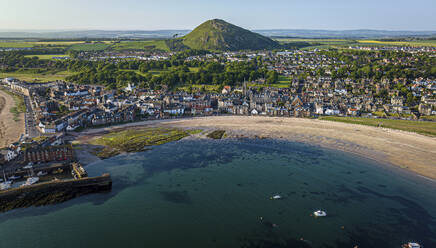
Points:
(272, 77)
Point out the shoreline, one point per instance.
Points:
(9, 133)
(407, 151)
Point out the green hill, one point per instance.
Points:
(220, 35)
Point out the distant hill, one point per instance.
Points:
(220, 35)
(164, 34)
(344, 34)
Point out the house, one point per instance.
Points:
(174, 110)
(353, 111)
(332, 112)
(130, 88)
(226, 90)
(8, 154)
(47, 128)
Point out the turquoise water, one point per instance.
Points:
(213, 193)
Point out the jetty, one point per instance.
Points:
(55, 190)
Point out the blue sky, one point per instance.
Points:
(186, 14)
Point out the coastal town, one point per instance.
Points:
(239, 124)
(56, 109)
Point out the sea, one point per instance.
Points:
(217, 193)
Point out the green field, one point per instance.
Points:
(141, 45)
(421, 127)
(41, 77)
(419, 43)
(24, 43)
(47, 56)
(343, 43)
(90, 46)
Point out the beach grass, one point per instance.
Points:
(19, 106)
(422, 127)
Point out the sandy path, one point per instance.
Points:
(414, 152)
(10, 130)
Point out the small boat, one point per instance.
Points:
(28, 166)
(14, 177)
(30, 181)
(41, 173)
(320, 213)
(412, 245)
(5, 185)
(276, 197)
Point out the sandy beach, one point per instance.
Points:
(410, 151)
(10, 130)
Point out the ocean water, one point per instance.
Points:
(203, 193)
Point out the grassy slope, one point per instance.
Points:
(426, 128)
(220, 35)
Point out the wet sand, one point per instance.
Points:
(410, 151)
(10, 130)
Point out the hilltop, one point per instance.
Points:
(220, 35)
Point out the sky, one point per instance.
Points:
(416, 15)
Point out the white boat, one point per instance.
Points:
(412, 245)
(14, 177)
(320, 213)
(276, 197)
(5, 185)
(41, 173)
(28, 167)
(30, 181)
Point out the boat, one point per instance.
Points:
(412, 245)
(14, 177)
(30, 181)
(28, 166)
(41, 173)
(320, 213)
(276, 197)
(5, 185)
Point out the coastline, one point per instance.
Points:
(408, 151)
(10, 130)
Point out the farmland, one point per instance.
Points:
(30, 44)
(96, 46)
(342, 43)
(400, 43)
(141, 45)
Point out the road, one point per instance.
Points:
(31, 130)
